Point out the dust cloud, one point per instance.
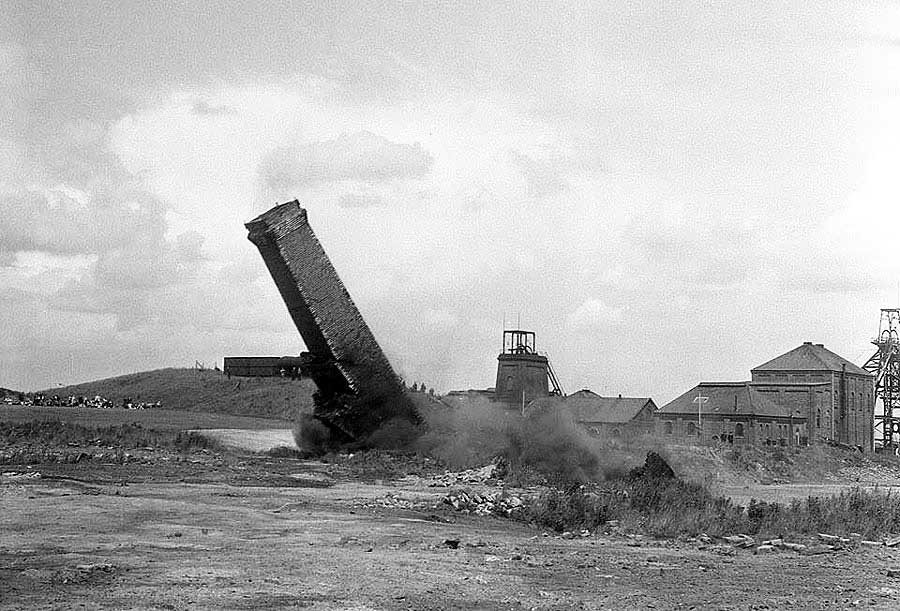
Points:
(543, 445)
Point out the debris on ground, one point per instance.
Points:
(392, 500)
(832, 539)
(740, 540)
(779, 544)
(16, 476)
(500, 503)
(483, 475)
(84, 573)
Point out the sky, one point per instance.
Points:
(664, 192)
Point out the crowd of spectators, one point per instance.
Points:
(42, 400)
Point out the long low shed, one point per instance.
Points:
(262, 366)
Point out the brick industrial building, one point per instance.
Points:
(731, 412)
(807, 395)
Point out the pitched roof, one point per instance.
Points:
(587, 406)
(810, 357)
(726, 398)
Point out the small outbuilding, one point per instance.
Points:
(625, 416)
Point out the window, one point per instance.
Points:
(691, 428)
(818, 418)
(668, 428)
(509, 382)
(738, 430)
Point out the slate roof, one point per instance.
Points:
(810, 357)
(587, 406)
(726, 398)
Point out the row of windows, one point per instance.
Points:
(692, 428)
(766, 429)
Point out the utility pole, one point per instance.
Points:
(700, 400)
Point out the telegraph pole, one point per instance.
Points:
(700, 400)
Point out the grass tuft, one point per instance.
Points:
(671, 507)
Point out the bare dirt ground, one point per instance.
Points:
(254, 441)
(251, 532)
(232, 529)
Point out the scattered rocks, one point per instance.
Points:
(481, 475)
(833, 538)
(772, 545)
(895, 572)
(489, 503)
(392, 500)
(795, 547)
(814, 550)
(14, 476)
(740, 540)
(84, 573)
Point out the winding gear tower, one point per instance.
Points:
(885, 366)
(522, 373)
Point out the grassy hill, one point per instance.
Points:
(203, 391)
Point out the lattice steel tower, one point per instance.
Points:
(885, 366)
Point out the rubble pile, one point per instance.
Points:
(500, 502)
(392, 500)
(484, 475)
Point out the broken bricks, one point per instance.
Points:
(488, 503)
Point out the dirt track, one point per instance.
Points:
(96, 543)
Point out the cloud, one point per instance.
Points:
(53, 221)
(360, 200)
(13, 63)
(684, 244)
(362, 156)
(543, 178)
(202, 107)
(594, 313)
(141, 266)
